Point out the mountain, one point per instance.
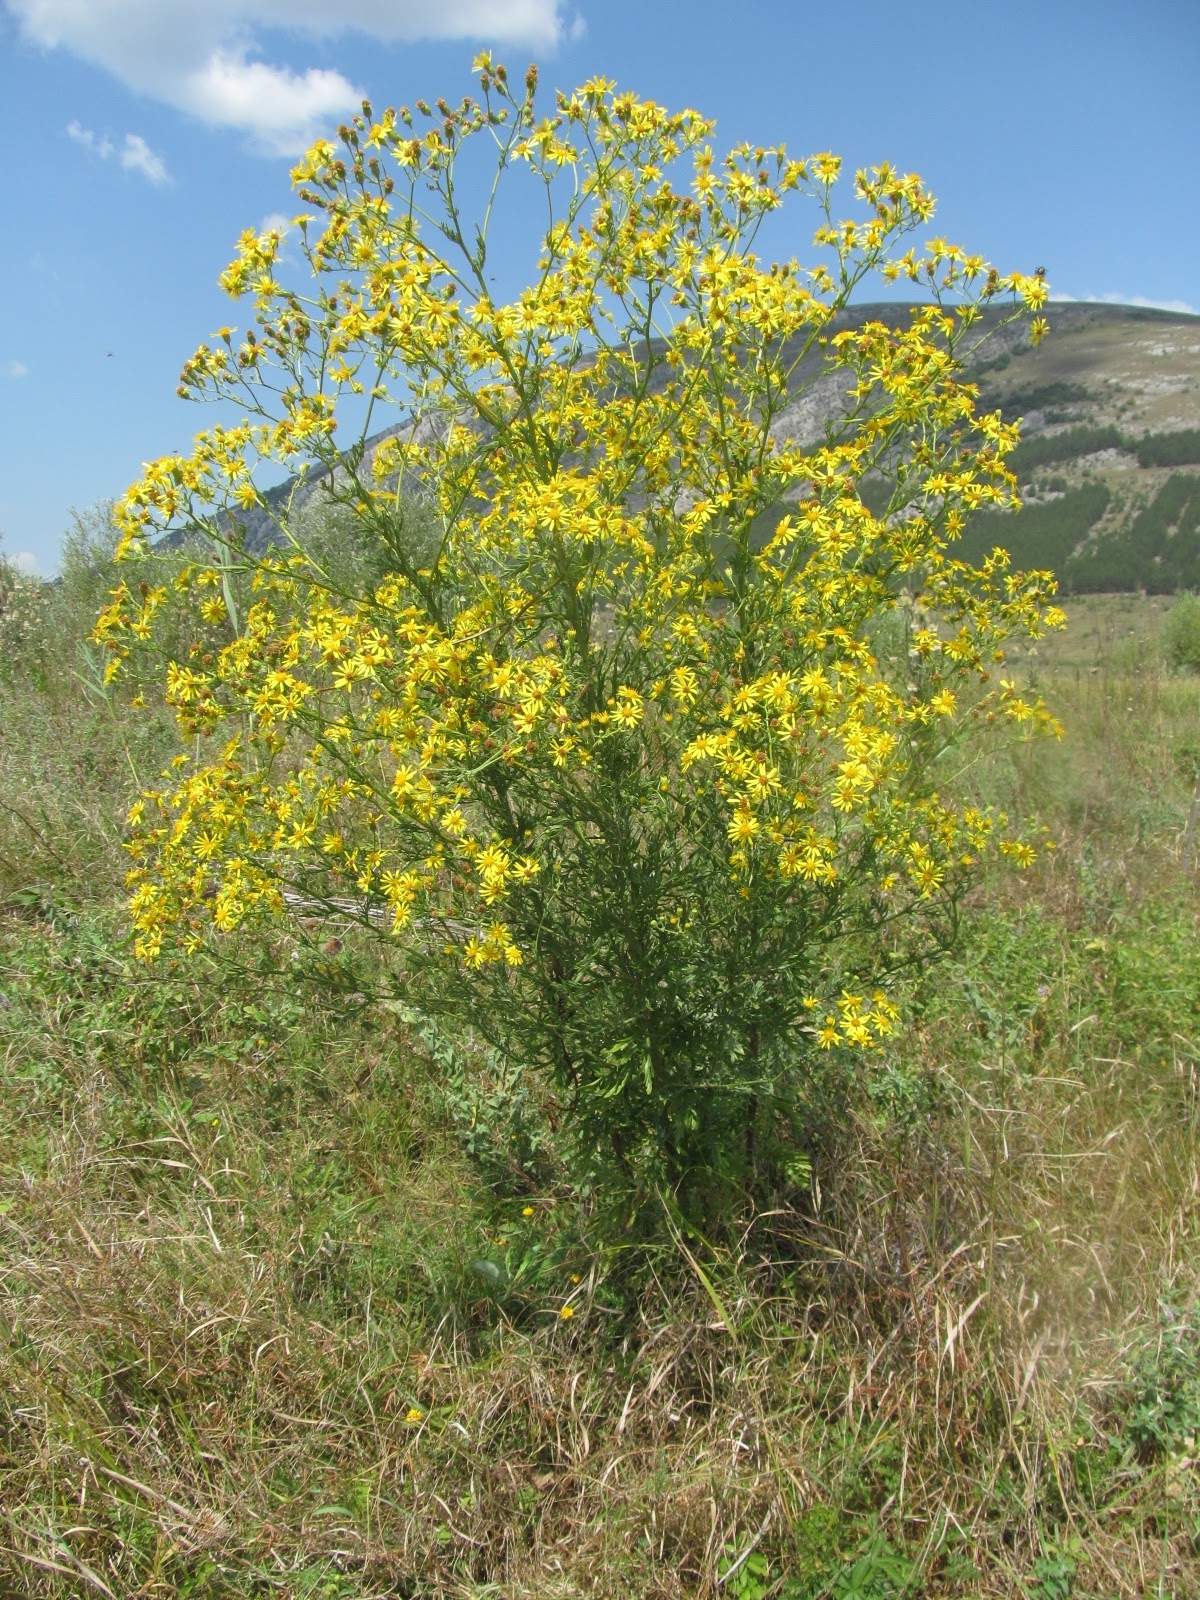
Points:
(1109, 463)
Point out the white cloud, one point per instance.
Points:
(1130, 300)
(25, 561)
(99, 146)
(15, 369)
(200, 55)
(284, 110)
(137, 156)
(134, 154)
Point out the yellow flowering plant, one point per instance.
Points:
(603, 752)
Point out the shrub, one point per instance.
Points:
(1181, 633)
(22, 609)
(607, 761)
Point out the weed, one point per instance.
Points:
(1164, 1414)
(1051, 1576)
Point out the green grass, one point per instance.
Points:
(274, 1319)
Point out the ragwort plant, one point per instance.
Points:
(604, 754)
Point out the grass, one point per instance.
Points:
(280, 1314)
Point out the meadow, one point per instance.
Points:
(296, 1301)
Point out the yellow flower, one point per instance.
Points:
(1021, 854)
(527, 1212)
(743, 827)
(413, 1415)
(567, 1313)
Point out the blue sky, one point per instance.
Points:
(144, 135)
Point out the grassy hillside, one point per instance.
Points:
(293, 1301)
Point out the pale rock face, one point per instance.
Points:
(804, 420)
